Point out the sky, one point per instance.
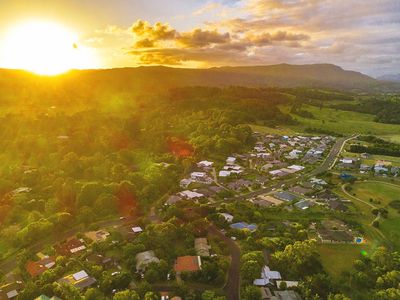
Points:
(361, 35)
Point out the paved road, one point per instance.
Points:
(232, 286)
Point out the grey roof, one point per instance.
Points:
(285, 196)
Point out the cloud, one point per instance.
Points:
(159, 31)
(246, 32)
(162, 44)
(201, 38)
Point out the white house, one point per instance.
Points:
(296, 167)
(231, 160)
(224, 173)
(205, 164)
(228, 217)
(191, 194)
(267, 277)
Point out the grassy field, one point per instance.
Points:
(384, 193)
(338, 258)
(344, 122)
(394, 138)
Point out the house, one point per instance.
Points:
(285, 196)
(36, 268)
(327, 195)
(318, 181)
(184, 183)
(80, 280)
(239, 184)
(97, 236)
(227, 217)
(191, 194)
(71, 246)
(294, 154)
(201, 246)
(145, 258)
(276, 172)
(137, 229)
(231, 160)
(296, 168)
(187, 264)
(243, 226)
(173, 199)
(267, 277)
(337, 206)
(262, 202)
(216, 189)
(287, 295)
(382, 166)
(204, 164)
(266, 167)
(335, 236)
(365, 155)
(270, 199)
(224, 173)
(300, 190)
(304, 204)
(11, 290)
(101, 260)
(347, 163)
(200, 177)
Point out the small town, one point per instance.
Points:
(281, 173)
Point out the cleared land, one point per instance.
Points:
(338, 258)
(344, 122)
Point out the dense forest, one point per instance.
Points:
(62, 156)
(376, 146)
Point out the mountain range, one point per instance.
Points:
(158, 78)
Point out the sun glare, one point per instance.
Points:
(45, 48)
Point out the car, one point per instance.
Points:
(122, 218)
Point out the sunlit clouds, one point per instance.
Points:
(359, 35)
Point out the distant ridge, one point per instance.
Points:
(390, 77)
(160, 78)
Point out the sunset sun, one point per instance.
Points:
(44, 48)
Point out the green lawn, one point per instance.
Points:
(385, 193)
(337, 258)
(344, 122)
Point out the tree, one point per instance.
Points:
(337, 297)
(126, 295)
(151, 296)
(94, 294)
(251, 292)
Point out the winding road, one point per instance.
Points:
(232, 286)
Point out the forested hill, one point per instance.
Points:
(161, 78)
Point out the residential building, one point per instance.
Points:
(70, 247)
(80, 280)
(187, 264)
(36, 268)
(268, 277)
(145, 258)
(201, 246)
